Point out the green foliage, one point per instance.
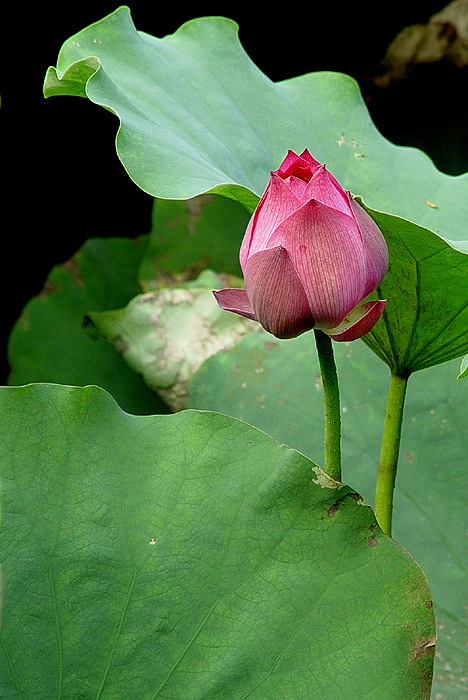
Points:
(426, 317)
(208, 120)
(50, 342)
(205, 118)
(275, 385)
(463, 368)
(166, 335)
(53, 341)
(190, 236)
(192, 556)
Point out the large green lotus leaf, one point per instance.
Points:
(165, 335)
(204, 118)
(426, 286)
(190, 236)
(276, 386)
(49, 342)
(197, 115)
(192, 556)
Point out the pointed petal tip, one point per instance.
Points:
(306, 154)
(359, 322)
(235, 300)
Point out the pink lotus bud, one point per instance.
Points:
(310, 257)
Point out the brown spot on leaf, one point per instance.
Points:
(120, 344)
(24, 321)
(332, 511)
(425, 647)
(73, 268)
(49, 288)
(372, 542)
(355, 496)
(194, 209)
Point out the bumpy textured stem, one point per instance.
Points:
(331, 396)
(389, 452)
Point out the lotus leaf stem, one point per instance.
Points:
(389, 452)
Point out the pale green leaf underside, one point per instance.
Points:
(196, 115)
(192, 556)
(165, 335)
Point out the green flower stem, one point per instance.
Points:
(389, 452)
(331, 397)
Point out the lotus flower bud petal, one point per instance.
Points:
(300, 167)
(310, 256)
(376, 250)
(330, 263)
(277, 203)
(276, 293)
(235, 300)
(359, 322)
(325, 189)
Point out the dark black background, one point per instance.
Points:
(58, 147)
